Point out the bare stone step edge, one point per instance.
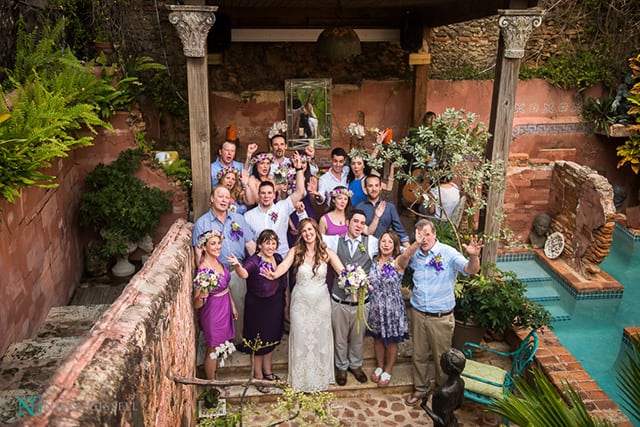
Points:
(39, 351)
(71, 320)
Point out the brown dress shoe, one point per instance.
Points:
(341, 377)
(359, 374)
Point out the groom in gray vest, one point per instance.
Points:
(353, 248)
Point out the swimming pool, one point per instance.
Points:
(589, 325)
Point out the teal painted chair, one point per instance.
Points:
(483, 383)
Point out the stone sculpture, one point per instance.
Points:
(539, 231)
(448, 396)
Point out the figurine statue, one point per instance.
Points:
(448, 396)
(538, 236)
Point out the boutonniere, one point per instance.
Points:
(233, 207)
(362, 248)
(437, 262)
(274, 216)
(236, 231)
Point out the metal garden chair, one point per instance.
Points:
(483, 383)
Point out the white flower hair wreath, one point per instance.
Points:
(278, 128)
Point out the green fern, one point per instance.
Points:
(628, 376)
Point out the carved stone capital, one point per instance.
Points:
(516, 26)
(193, 24)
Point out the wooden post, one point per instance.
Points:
(193, 24)
(421, 62)
(515, 28)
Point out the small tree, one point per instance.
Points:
(452, 146)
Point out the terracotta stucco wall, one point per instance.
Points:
(41, 242)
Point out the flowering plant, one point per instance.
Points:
(261, 157)
(236, 231)
(274, 216)
(278, 128)
(207, 280)
(222, 351)
(355, 282)
(285, 174)
(225, 170)
(437, 262)
(356, 129)
(265, 266)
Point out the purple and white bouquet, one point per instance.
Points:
(207, 280)
(285, 174)
(355, 282)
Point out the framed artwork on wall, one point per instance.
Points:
(308, 113)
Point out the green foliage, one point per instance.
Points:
(574, 69)
(629, 152)
(453, 145)
(541, 405)
(628, 376)
(119, 205)
(43, 111)
(599, 112)
(496, 300)
(467, 72)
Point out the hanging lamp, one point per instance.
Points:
(338, 41)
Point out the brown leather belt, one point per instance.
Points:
(436, 314)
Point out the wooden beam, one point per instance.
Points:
(421, 81)
(516, 26)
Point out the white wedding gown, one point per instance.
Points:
(310, 336)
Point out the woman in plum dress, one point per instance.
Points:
(264, 304)
(311, 366)
(387, 316)
(216, 309)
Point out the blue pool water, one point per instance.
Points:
(591, 326)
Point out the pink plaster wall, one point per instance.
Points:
(41, 243)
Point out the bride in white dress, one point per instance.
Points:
(311, 365)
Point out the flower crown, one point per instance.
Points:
(204, 237)
(261, 157)
(225, 170)
(340, 192)
(278, 128)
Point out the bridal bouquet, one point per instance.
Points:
(355, 282)
(285, 174)
(207, 280)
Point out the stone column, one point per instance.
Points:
(515, 28)
(193, 24)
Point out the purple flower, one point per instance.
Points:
(265, 266)
(387, 269)
(437, 262)
(274, 216)
(236, 231)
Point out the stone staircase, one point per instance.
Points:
(238, 366)
(27, 366)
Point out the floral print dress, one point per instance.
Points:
(387, 312)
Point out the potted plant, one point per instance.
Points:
(121, 207)
(494, 300)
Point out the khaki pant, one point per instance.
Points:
(348, 344)
(431, 337)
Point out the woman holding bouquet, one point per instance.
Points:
(264, 304)
(387, 316)
(212, 298)
(310, 336)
